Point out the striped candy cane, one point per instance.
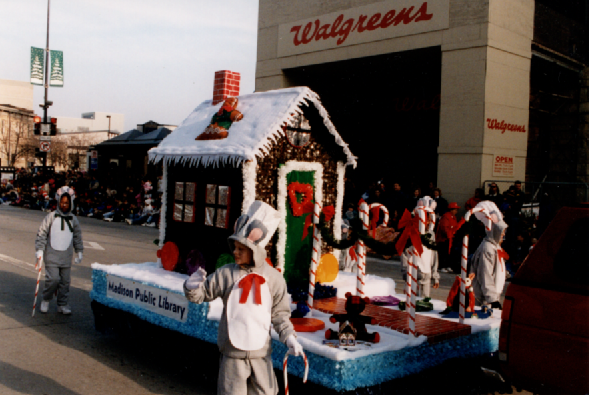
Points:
(314, 256)
(463, 262)
(284, 367)
(361, 250)
(39, 265)
(383, 209)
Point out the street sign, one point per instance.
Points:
(94, 154)
(45, 129)
(45, 146)
(44, 138)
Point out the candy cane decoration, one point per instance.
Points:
(284, 367)
(38, 265)
(463, 262)
(383, 209)
(361, 251)
(316, 253)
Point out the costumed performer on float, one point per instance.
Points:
(427, 264)
(58, 237)
(254, 297)
(488, 261)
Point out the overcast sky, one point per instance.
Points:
(146, 59)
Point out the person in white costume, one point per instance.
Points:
(427, 264)
(254, 298)
(59, 235)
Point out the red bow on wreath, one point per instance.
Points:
(306, 190)
(246, 284)
(411, 232)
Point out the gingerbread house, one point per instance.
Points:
(284, 151)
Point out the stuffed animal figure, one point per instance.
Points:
(222, 121)
(354, 306)
(453, 300)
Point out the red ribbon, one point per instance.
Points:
(411, 232)
(246, 284)
(353, 253)
(502, 254)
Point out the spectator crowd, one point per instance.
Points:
(137, 203)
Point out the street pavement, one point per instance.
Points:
(52, 354)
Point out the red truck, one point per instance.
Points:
(544, 335)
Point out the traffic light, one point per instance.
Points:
(53, 127)
(37, 121)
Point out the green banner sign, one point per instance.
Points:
(56, 69)
(37, 63)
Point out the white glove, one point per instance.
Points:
(197, 278)
(294, 347)
(78, 260)
(39, 254)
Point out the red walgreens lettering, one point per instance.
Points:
(320, 31)
(493, 124)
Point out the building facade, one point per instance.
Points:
(424, 91)
(16, 122)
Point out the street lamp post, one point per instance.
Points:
(46, 103)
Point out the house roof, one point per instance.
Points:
(137, 137)
(263, 115)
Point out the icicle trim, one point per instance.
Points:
(283, 171)
(248, 171)
(339, 202)
(214, 160)
(164, 207)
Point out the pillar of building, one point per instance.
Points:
(484, 109)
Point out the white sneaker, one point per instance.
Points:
(108, 219)
(65, 310)
(151, 225)
(44, 306)
(129, 221)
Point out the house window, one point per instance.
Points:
(298, 133)
(184, 201)
(217, 201)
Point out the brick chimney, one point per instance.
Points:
(226, 85)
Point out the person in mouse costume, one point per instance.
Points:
(58, 237)
(254, 298)
(488, 261)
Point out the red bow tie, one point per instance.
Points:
(246, 284)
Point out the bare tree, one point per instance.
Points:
(12, 135)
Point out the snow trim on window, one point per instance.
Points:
(283, 171)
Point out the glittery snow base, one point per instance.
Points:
(342, 375)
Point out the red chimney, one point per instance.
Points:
(226, 85)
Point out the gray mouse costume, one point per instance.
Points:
(59, 235)
(488, 267)
(254, 297)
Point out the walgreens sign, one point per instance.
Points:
(374, 22)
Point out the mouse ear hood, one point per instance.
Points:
(255, 228)
(66, 191)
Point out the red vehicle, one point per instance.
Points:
(544, 336)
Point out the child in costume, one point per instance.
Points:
(59, 235)
(488, 261)
(254, 298)
(427, 263)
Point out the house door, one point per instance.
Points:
(300, 185)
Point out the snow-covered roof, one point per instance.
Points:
(263, 115)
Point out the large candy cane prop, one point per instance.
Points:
(463, 262)
(383, 209)
(39, 265)
(361, 252)
(284, 367)
(314, 256)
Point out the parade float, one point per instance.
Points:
(280, 147)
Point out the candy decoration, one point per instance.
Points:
(307, 324)
(361, 251)
(374, 209)
(464, 259)
(315, 254)
(39, 265)
(169, 255)
(328, 269)
(284, 368)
